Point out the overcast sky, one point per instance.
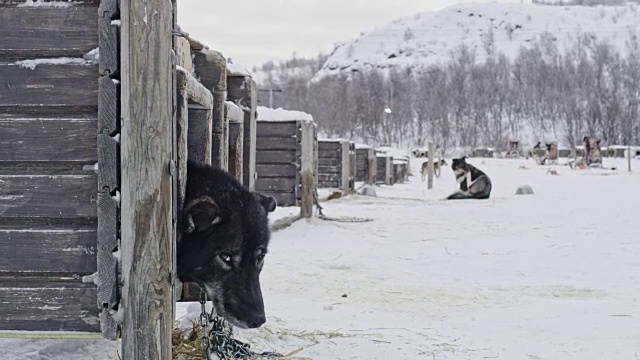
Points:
(255, 31)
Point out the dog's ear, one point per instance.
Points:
(598, 142)
(267, 202)
(200, 214)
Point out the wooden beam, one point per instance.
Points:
(147, 192)
(210, 68)
(307, 161)
(345, 170)
(430, 166)
(242, 91)
(235, 120)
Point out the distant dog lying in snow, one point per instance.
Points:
(474, 184)
(436, 168)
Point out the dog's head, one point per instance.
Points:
(459, 166)
(443, 162)
(224, 242)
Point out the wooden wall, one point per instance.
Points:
(279, 156)
(366, 168)
(336, 165)
(49, 131)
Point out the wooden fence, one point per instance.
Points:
(50, 127)
(285, 162)
(68, 192)
(337, 165)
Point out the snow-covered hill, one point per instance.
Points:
(428, 38)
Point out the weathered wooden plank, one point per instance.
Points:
(109, 40)
(73, 86)
(30, 32)
(328, 169)
(276, 128)
(47, 305)
(53, 249)
(50, 196)
(307, 167)
(210, 68)
(109, 8)
(329, 161)
(276, 157)
(332, 154)
(107, 243)
(276, 171)
(108, 163)
(282, 198)
(346, 168)
(108, 106)
(276, 144)
(199, 135)
(183, 54)
(236, 150)
(47, 139)
(275, 184)
(147, 209)
(47, 167)
(249, 104)
(329, 145)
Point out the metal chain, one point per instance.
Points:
(344, 219)
(219, 340)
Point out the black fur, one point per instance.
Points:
(480, 183)
(225, 236)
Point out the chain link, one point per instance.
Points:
(219, 339)
(344, 219)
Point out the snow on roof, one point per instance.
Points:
(396, 153)
(280, 114)
(429, 38)
(234, 68)
(363, 146)
(234, 111)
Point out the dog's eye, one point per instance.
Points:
(226, 257)
(260, 257)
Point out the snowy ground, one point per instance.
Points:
(554, 275)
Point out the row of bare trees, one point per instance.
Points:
(590, 88)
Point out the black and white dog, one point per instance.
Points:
(224, 242)
(474, 184)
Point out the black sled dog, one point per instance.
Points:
(225, 234)
(474, 184)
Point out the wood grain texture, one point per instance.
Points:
(108, 163)
(275, 184)
(329, 153)
(46, 304)
(48, 196)
(32, 32)
(109, 8)
(250, 104)
(109, 40)
(210, 68)
(307, 162)
(329, 145)
(276, 171)
(108, 106)
(199, 140)
(62, 250)
(47, 139)
(66, 86)
(270, 144)
(276, 128)
(147, 192)
(236, 150)
(107, 243)
(275, 157)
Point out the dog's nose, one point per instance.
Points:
(256, 321)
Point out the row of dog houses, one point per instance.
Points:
(100, 109)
